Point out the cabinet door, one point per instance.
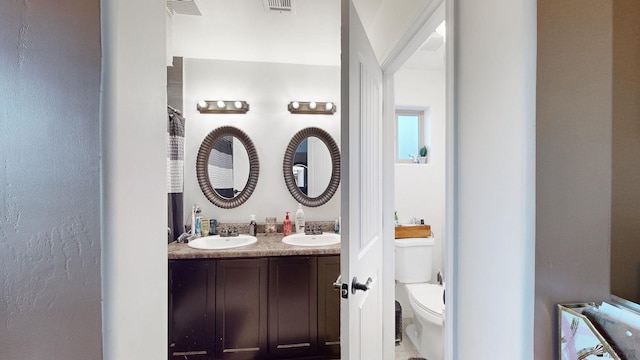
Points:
(191, 309)
(328, 306)
(241, 308)
(293, 321)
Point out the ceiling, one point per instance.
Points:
(243, 30)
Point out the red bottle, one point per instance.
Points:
(286, 225)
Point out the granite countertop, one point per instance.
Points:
(266, 246)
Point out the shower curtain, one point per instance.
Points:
(175, 172)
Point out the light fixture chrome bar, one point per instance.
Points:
(222, 107)
(312, 107)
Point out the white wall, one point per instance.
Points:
(243, 30)
(495, 77)
(420, 188)
(386, 21)
(50, 180)
(268, 88)
(134, 191)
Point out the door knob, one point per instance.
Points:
(336, 284)
(355, 285)
(344, 288)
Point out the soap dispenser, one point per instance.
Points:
(286, 225)
(252, 226)
(300, 219)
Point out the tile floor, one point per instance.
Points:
(406, 350)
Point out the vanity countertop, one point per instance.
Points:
(266, 246)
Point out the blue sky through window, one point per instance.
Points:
(408, 135)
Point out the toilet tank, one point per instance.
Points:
(414, 259)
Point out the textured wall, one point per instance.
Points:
(49, 180)
(625, 209)
(573, 152)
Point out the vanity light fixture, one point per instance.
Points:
(222, 107)
(312, 107)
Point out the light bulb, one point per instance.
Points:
(312, 105)
(328, 106)
(221, 104)
(202, 105)
(295, 105)
(237, 104)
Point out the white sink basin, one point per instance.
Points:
(216, 242)
(312, 240)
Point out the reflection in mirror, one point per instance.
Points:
(312, 166)
(228, 166)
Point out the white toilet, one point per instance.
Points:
(413, 271)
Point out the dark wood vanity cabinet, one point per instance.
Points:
(254, 308)
(241, 309)
(293, 303)
(191, 324)
(328, 306)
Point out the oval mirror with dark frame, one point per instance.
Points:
(226, 157)
(299, 169)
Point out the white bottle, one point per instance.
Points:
(252, 226)
(300, 219)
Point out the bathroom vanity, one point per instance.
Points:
(268, 300)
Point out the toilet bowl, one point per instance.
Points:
(426, 300)
(427, 331)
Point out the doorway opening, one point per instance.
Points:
(418, 80)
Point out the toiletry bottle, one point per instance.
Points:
(336, 226)
(198, 226)
(300, 219)
(395, 217)
(205, 226)
(253, 226)
(286, 225)
(193, 219)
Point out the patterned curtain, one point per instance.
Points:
(175, 172)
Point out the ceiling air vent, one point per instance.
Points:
(184, 7)
(280, 6)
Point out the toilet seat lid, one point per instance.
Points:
(428, 297)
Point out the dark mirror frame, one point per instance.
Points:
(202, 171)
(288, 162)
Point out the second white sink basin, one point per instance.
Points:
(215, 242)
(312, 240)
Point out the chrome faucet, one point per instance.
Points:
(313, 230)
(233, 231)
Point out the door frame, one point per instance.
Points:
(417, 33)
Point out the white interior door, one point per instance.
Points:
(361, 136)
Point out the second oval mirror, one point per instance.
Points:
(311, 167)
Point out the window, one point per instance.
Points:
(410, 128)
